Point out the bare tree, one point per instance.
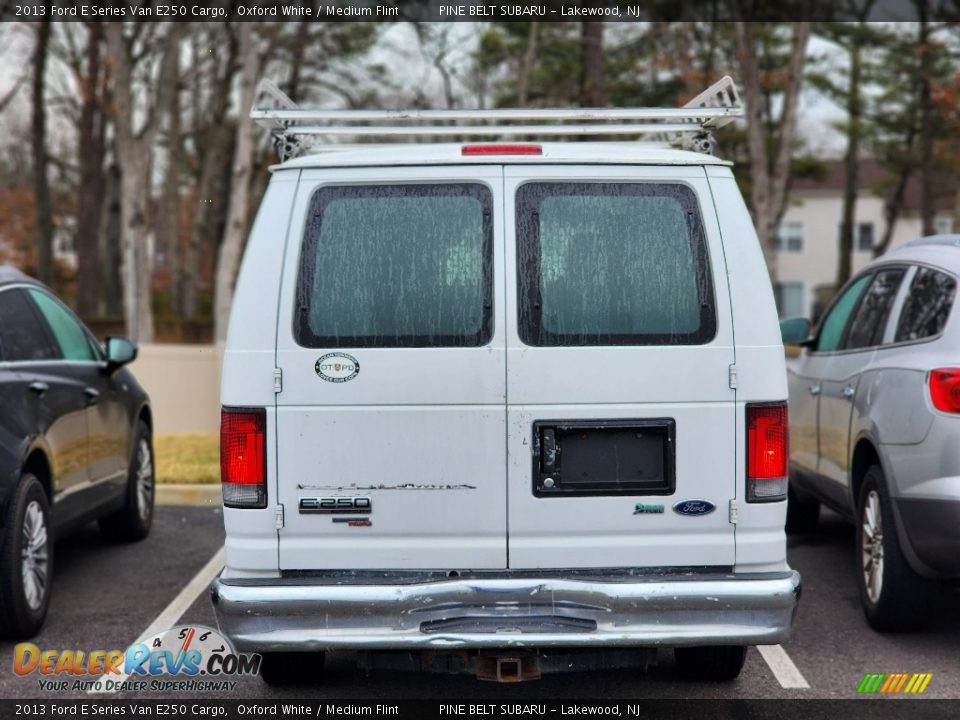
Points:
(527, 63)
(213, 136)
(168, 220)
(12, 92)
(231, 248)
(591, 81)
(770, 156)
(41, 184)
(91, 150)
(134, 154)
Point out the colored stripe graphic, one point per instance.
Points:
(894, 683)
(871, 682)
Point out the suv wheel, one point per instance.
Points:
(291, 668)
(803, 512)
(893, 596)
(133, 521)
(715, 662)
(26, 560)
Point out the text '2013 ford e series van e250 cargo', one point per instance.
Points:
(493, 401)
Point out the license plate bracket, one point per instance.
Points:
(604, 457)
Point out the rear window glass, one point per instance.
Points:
(927, 306)
(396, 266)
(72, 339)
(21, 336)
(868, 324)
(612, 264)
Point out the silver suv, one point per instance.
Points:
(875, 424)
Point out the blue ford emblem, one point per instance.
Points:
(694, 507)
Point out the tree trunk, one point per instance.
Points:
(891, 212)
(852, 164)
(769, 181)
(926, 125)
(110, 240)
(41, 186)
(591, 81)
(231, 248)
(90, 159)
(526, 64)
(215, 141)
(134, 153)
(168, 223)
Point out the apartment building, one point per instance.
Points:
(809, 234)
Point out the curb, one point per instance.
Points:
(185, 494)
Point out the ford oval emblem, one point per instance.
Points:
(337, 367)
(694, 507)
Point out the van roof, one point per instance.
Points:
(577, 153)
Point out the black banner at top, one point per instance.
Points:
(475, 10)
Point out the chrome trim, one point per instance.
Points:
(715, 609)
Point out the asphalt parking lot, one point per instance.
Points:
(105, 596)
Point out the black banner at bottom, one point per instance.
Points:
(865, 709)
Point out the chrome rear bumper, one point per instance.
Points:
(300, 614)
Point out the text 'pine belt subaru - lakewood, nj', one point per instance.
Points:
(495, 401)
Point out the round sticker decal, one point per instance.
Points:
(337, 367)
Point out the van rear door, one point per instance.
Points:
(621, 427)
(391, 342)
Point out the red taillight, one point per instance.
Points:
(768, 452)
(243, 468)
(945, 389)
(501, 149)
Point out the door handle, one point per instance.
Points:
(39, 387)
(815, 389)
(92, 395)
(849, 391)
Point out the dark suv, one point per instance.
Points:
(75, 443)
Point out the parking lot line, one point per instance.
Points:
(178, 606)
(782, 667)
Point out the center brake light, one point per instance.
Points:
(945, 389)
(501, 149)
(243, 460)
(768, 452)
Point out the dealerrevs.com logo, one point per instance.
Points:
(190, 657)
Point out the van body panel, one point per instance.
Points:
(685, 384)
(417, 433)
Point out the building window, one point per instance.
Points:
(789, 297)
(862, 236)
(790, 237)
(943, 225)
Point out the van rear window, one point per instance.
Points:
(396, 266)
(612, 264)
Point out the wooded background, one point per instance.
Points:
(127, 144)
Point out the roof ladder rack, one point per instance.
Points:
(690, 126)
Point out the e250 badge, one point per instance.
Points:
(337, 367)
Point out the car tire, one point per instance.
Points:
(133, 521)
(803, 512)
(714, 662)
(291, 668)
(26, 560)
(893, 596)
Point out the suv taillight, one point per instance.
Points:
(767, 452)
(945, 389)
(243, 461)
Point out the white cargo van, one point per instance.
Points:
(490, 400)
